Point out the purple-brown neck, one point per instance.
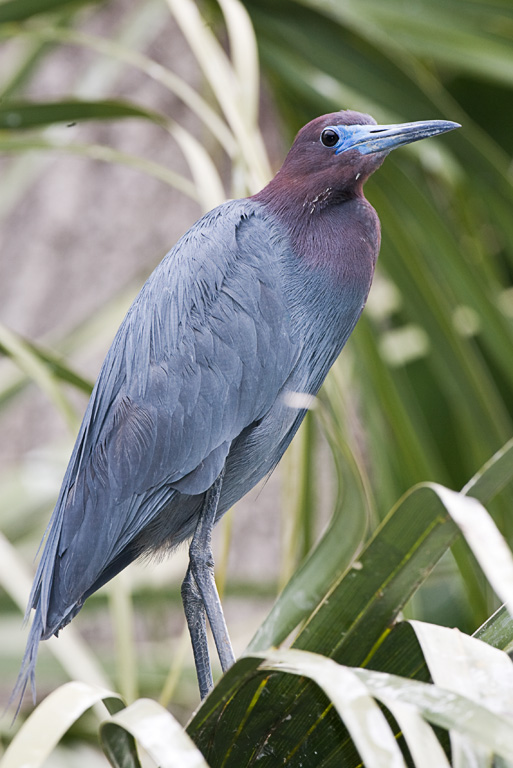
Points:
(318, 198)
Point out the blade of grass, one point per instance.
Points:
(357, 613)
(58, 368)
(156, 730)
(36, 369)
(45, 727)
(207, 180)
(485, 541)
(407, 700)
(244, 54)
(332, 555)
(375, 743)
(21, 115)
(456, 41)
(20, 10)
(483, 728)
(497, 630)
(104, 154)
(470, 668)
(175, 84)
(222, 79)
(175, 668)
(122, 618)
(459, 663)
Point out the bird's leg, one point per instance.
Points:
(199, 584)
(196, 621)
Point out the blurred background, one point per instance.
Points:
(120, 123)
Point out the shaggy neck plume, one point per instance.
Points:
(330, 227)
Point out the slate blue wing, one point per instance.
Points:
(202, 355)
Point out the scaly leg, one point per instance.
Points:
(199, 595)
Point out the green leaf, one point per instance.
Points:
(354, 619)
(104, 154)
(360, 606)
(470, 668)
(493, 476)
(329, 559)
(350, 696)
(19, 115)
(415, 521)
(498, 630)
(152, 69)
(34, 366)
(156, 730)
(55, 365)
(396, 561)
(465, 41)
(410, 702)
(363, 719)
(19, 10)
(45, 727)
(401, 654)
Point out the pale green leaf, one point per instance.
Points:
(31, 363)
(19, 10)
(125, 54)
(223, 81)
(208, 184)
(244, 53)
(104, 154)
(485, 540)
(156, 730)
(20, 115)
(449, 710)
(45, 727)
(363, 719)
(471, 668)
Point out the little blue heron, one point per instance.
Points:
(195, 402)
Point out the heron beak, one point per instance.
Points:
(369, 139)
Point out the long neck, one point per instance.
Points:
(327, 230)
(327, 274)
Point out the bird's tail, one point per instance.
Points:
(28, 665)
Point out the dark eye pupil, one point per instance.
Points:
(329, 138)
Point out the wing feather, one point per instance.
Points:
(200, 356)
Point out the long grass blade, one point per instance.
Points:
(104, 154)
(156, 730)
(483, 728)
(462, 664)
(366, 724)
(177, 85)
(20, 115)
(207, 180)
(485, 540)
(20, 10)
(222, 79)
(30, 362)
(45, 727)
(244, 54)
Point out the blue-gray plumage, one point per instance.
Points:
(196, 399)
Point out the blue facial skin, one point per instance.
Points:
(368, 139)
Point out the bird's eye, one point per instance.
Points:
(329, 137)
